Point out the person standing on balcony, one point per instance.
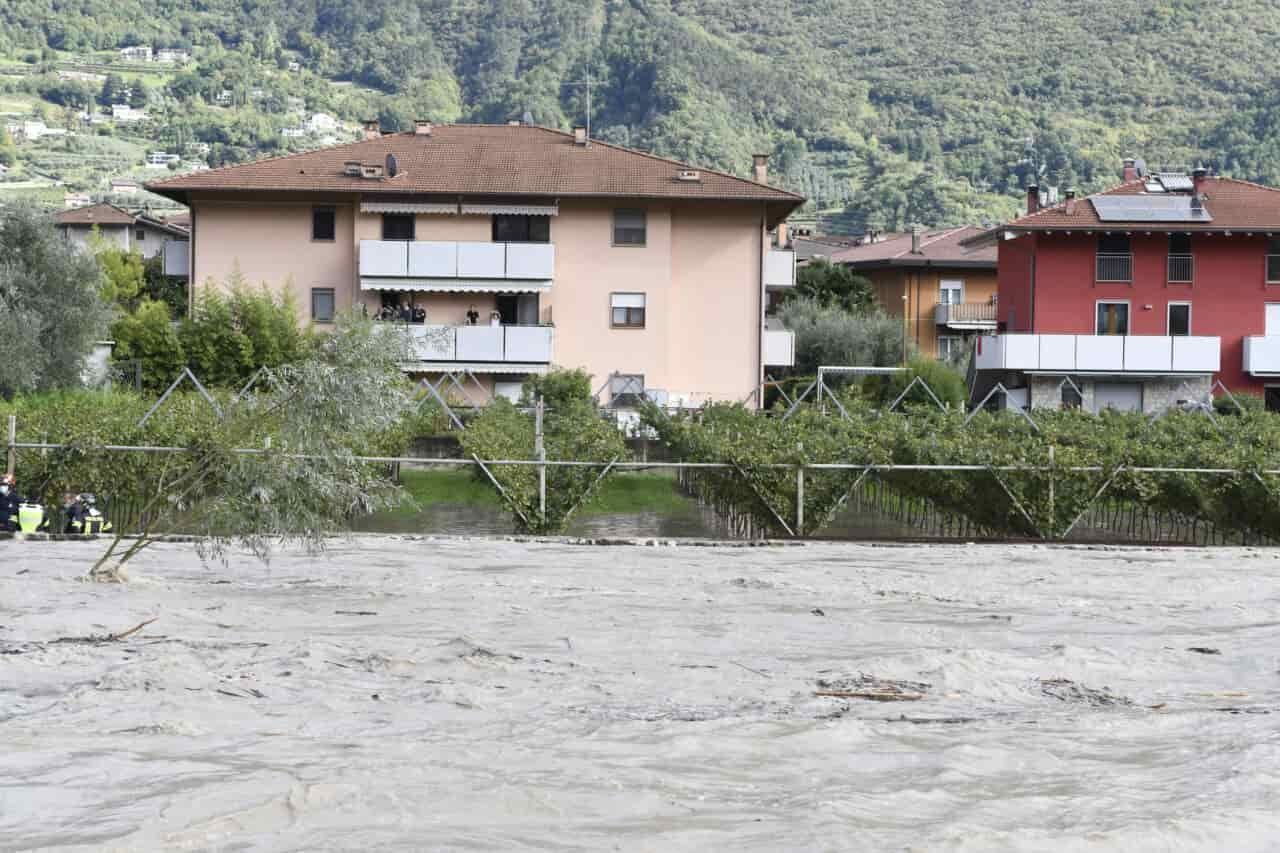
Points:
(495, 318)
(473, 316)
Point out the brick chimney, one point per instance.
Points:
(580, 136)
(421, 127)
(1033, 198)
(1070, 198)
(760, 168)
(372, 130)
(1130, 172)
(1198, 177)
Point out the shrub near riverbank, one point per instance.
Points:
(1043, 500)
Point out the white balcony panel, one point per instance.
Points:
(479, 343)
(990, 352)
(1100, 353)
(779, 348)
(433, 259)
(1197, 354)
(779, 268)
(177, 256)
(1021, 352)
(1057, 352)
(528, 343)
(482, 260)
(434, 343)
(1148, 353)
(531, 260)
(384, 257)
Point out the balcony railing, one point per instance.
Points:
(1182, 269)
(481, 344)
(780, 268)
(965, 315)
(1135, 354)
(1114, 266)
(452, 259)
(779, 348)
(1262, 355)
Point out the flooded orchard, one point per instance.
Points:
(417, 693)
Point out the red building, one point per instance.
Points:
(1141, 295)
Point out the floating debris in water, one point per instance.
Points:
(1066, 690)
(863, 686)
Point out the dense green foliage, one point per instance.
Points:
(835, 285)
(830, 335)
(917, 111)
(51, 305)
(1041, 500)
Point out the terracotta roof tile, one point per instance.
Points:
(1234, 205)
(937, 248)
(95, 214)
(499, 160)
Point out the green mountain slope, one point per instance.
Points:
(920, 110)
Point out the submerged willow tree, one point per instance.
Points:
(280, 466)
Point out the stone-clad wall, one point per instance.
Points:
(1157, 394)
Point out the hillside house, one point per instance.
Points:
(568, 251)
(126, 114)
(1142, 295)
(944, 291)
(123, 186)
(137, 53)
(118, 228)
(173, 56)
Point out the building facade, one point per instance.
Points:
(510, 249)
(943, 290)
(1142, 296)
(120, 229)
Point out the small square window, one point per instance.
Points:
(322, 304)
(323, 223)
(397, 226)
(140, 235)
(627, 310)
(629, 228)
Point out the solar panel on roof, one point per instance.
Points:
(1149, 208)
(1175, 182)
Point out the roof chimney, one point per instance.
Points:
(916, 231)
(421, 127)
(580, 135)
(1033, 198)
(1130, 172)
(1070, 197)
(760, 168)
(1198, 178)
(372, 130)
(513, 122)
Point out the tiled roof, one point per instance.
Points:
(937, 248)
(495, 160)
(1234, 205)
(95, 214)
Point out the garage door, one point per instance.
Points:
(1122, 396)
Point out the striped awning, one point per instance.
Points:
(455, 285)
(512, 209)
(440, 208)
(473, 366)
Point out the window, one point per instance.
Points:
(322, 304)
(627, 310)
(1179, 244)
(1179, 319)
(628, 228)
(521, 229)
(1113, 318)
(1114, 261)
(1273, 260)
(1271, 398)
(139, 235)
(951, 292)
(397, 226)
(1180, 259)
(1071, 398)
(949, 346)
(323, 223)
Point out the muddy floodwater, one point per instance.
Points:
(418, 694)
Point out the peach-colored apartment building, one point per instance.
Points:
(526, 248)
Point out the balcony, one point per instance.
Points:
(1181, 269)
(965, 315)
(455, 265)
(481, 347)
(1114, 267)
(1262, 355)
(1110, 354)
(779, 348)
(177, 258)
(779, 268)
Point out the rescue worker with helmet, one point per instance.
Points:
(9, 502)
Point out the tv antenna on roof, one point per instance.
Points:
(587, 84)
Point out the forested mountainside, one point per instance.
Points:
(937, 111)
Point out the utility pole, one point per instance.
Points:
(587, 84)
